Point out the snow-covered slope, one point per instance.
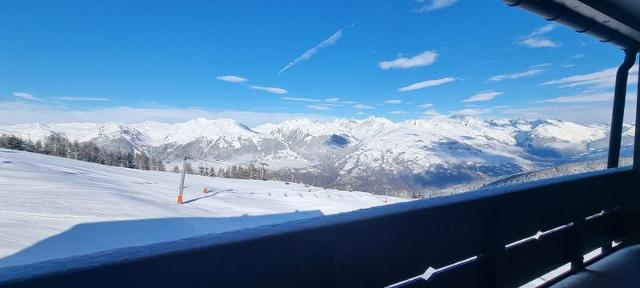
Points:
(422, 156)
(557, 171)
(54, 207)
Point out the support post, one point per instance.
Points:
(184, 171)
(617, 116)
(636, 141)
(577, 259)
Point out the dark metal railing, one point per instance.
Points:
(381, 246)
(617, 114)
(636, 142)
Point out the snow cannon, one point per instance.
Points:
(180, 199)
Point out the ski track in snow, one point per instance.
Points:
(55, 207)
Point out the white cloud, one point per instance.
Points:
(600, 97)
(425, 106)
(300, 99)
(348, 102)
(327, 102)
(579, 99)
(536, 38)
(274, 90)
(471, 112)
(578, 56)
(423, 59)
(89, 99)
(363, 107)
(21, 112)
(398, 112)
(538, 42)
(541, 65)
(542, 30)
(393, 101)
(600, 79)
(27, 96)
(580, 113)
(319, 108)
(431, 5)
(431, 113)
(428, 83)
(516, 75)
(483, 96)
(332, 40)
(232, 78)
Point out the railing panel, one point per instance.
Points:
(469, 275)
(367, 248)
(601, 231)
(400, 246)
(531, 259)
(523, 214)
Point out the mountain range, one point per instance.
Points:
(425, 157)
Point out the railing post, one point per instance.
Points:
(492, 263)
(492, 259)
(577, 261)
(617, 116)
(636, 142)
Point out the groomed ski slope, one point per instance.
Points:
(54, 207)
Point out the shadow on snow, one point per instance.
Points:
(89, 238)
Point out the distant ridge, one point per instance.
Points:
(423, 156)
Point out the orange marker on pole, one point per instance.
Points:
(184, 170)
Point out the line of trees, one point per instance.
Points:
(233, 171)
(58, 145)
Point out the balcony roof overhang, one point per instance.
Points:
(613, 21)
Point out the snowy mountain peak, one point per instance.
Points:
(201, 128)
(568, 131)
(428, 152)
(224, 123)
(297, 123)
(377, 120)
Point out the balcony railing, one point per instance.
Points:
(504, 237)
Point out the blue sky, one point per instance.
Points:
(261, 61)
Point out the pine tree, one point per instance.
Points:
(11, 142)
(234, 172)
(75, 146)
(128, 160)
(38, 146)
(189, 169)
(142, 161)
(161, 165)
